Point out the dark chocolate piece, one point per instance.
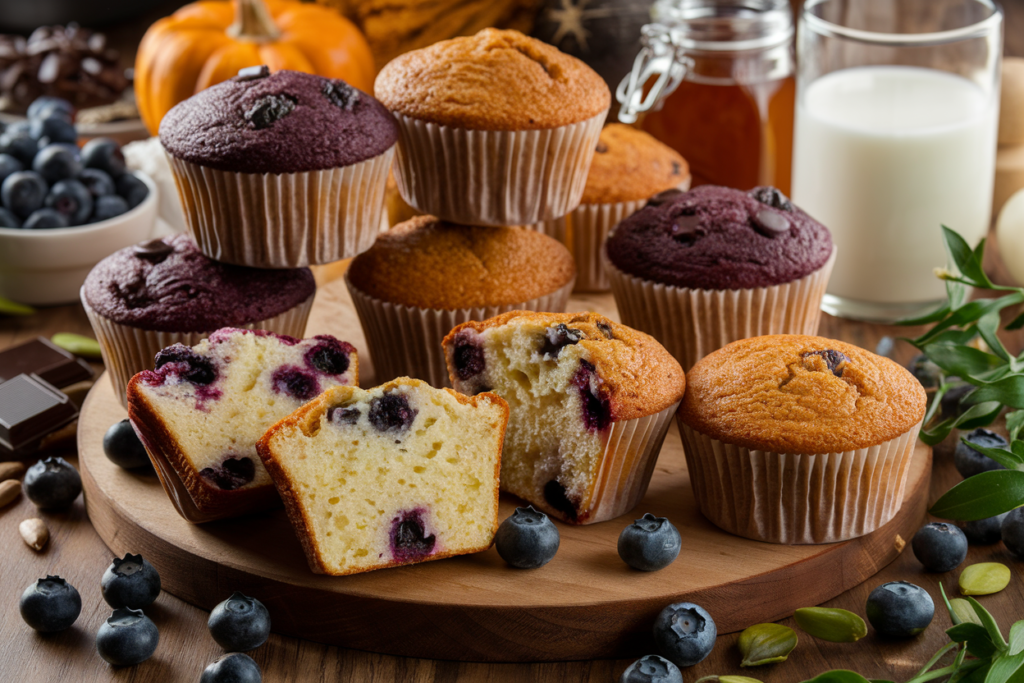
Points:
(42, 357)
(29, 410)
(153, 249)
(251, 73)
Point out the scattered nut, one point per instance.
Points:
(900, 544)
(9, 490)
(34, 532)
(11, 470)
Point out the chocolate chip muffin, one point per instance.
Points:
(280, 170)
(147, 297)
(703, 268)
(799, 439)
(425, 276)
(507, 116)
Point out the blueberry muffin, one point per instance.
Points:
(423, 461)
(798, 439)
(280, 170)
(703, 268)
(147, 297)
(497, 128)
(589, 404)
(425, 276)
(201, 410)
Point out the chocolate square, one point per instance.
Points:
(45, 359)
(29, 410)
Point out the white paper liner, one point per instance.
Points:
(129, 350)
(691, 323)
(786, 498)
(405, 341)
(286, 220)
(480, 177)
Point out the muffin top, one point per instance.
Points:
(637, 375)
(630, 164)
(720, 238)
(801, 395)
(495, 80)
(169, 286)
(428, 263)
(285, 122)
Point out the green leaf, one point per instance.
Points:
(1017, 638)
(8, 307)
(959, 360)
(838, 676)
(1008, 459)
(987, 326)
(953, 616)
(984, 495)
(1009, 391)
(1014, 423)
(973, 671)
(1004, 667)
(978, 415)
(964, 257)
(1016, 323)
(932, 316)
(979, 643)
(989, 622)
(957, 293)
(970, 312)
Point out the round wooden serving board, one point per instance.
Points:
(585, 604)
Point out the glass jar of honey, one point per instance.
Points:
(715, 80)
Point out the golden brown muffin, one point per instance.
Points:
(495, 80)
(801, 395)
(428, 263)
(629, 165)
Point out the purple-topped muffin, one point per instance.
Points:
(280, 170)
(700, 269)
(147, 297)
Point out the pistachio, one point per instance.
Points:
(984, 578)
(8, 307)
(34, 532)
(77, 344)
(831, 624)
(9, 490)
(11, 470)
(964, 612)
(766, 644)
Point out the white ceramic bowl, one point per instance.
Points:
(42, 267)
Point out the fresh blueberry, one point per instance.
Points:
(885, 346)
(899, 609)
(108, 206)
(9, 165)
(527, 539)
(295, 382)
(650, 543)
(340, 415)
(50, 604)
(940, 546)
(20, 145)
(56, 162)
(467, 356)
(187, 363)
(233, 668)
(52, 483)
(985, 531)
(132, 189)
(98, 182)
(42, 107)
(122, 446)
(951, 404)
(23, 192)
(391, 412)
(684, 633)
(45, 219)
(104, 154)
(233, 473)
(18, 128)
(652, 669)
(128, 637)
(329, 356)
(56, 127)
(558, 337)
(71, 199)
(835, 361)
(240, 623)
(1012, 531)
(409, 541)
(8, 219)
(925, 371)
(970, 462)
(130, 582)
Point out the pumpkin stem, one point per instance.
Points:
(253, 22)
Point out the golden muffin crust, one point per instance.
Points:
(638, 376)
(801, 395)
(429, 263)
(495, 80)
(630, 164)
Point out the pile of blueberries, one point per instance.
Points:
(46, 181)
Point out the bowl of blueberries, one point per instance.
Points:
(63, 208)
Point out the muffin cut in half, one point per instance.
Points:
(200, 412)
(589, 400)
(398, 474)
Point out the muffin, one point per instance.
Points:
(496, 128)
(699, 269)
(629, 167)
(280, 170)
(589, 404)
(162, 292)
(797, 439)
(425, 276)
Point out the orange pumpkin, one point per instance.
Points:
(208, 42)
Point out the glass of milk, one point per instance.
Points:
(895, 135)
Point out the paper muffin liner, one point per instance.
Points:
(286, 220)
(129, 350)
(787, 498)
(482, 177)
(405, 341)
(691, 323)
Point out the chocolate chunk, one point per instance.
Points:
(663, 197)
(45, 359)
(770, 223)
(341, 94)
(269, 110)
(686, 229)
(29, 410)
(601, 148)
(771, 196)
(153, 250)
(252, 73)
